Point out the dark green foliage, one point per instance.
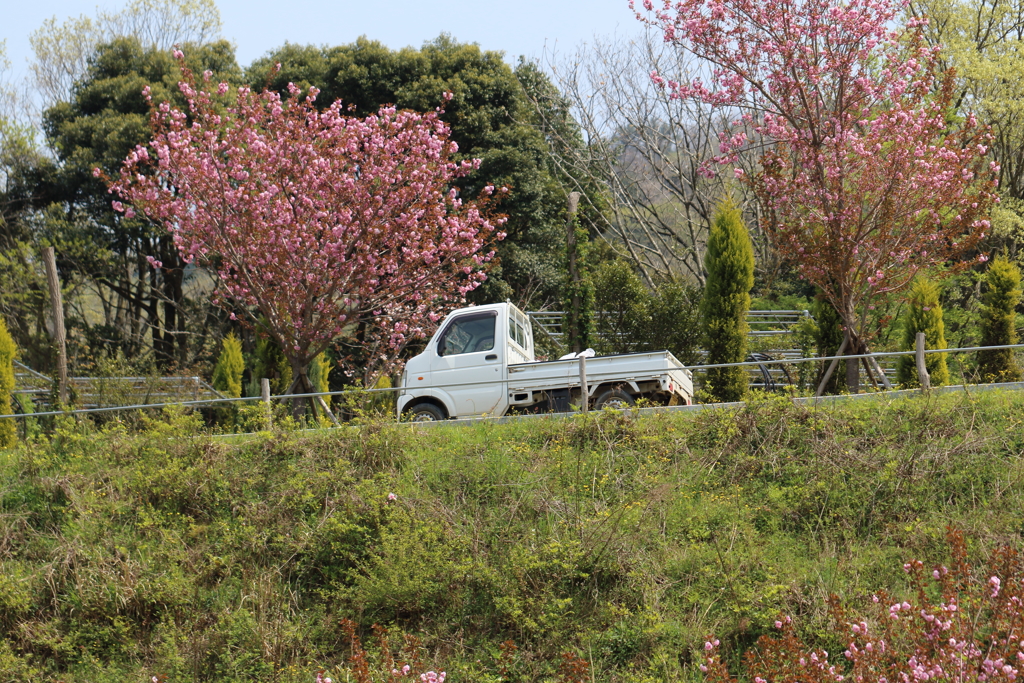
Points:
(490, 120)
(227, 375)
(109, 115)
(828, 338)
(924, 314)
(999, 322)
(622, 304)
(8, 428)
(22, 283)
(631, 318)
(729, 263)
(146, 308)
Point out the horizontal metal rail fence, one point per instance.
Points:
(572, 382)
(761, 323)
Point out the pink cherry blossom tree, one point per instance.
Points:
(321, 225)
(868, 179)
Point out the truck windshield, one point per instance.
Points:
(468, 334)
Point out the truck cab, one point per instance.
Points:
(464, 367)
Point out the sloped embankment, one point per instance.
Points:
(622, 539)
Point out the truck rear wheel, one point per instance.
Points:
(615, 398)
(424, 412)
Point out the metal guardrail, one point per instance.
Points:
(761, 323)
(570, 383)
(98, 392)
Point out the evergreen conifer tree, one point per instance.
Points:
(227, 375)
(729, 263)
(271, 364)
(828, 337)
(8, 430)
(319, 375)
(999, 322)
(924, 314)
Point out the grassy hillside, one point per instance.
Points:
(623, 540)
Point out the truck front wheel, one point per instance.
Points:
(615, 398)
(424, 412)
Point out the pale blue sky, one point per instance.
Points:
(518, 27)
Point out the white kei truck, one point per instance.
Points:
(481, 362)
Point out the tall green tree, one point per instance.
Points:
(137, 273)
(983, 40)
(490, 119)
(999, 322)
(924, 314)
(22, 281)
(729, 264)
(8, 430)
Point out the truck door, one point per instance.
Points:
(468, 363)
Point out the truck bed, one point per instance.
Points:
(629, 367)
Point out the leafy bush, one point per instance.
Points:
(320, 375)
(632, 318)
(270, 364)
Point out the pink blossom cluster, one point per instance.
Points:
(957, 629)
(866, 181)
(318, 221)
(427, 677)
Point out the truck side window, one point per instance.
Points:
(468, 334)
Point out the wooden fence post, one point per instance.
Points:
(922, 369)
(265, 397)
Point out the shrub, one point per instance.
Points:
(675, 321)
(999, 322)
(623, 305)
(729, 262)
(632, 318)
(227, 375)
(8, 429)
(924, 314)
